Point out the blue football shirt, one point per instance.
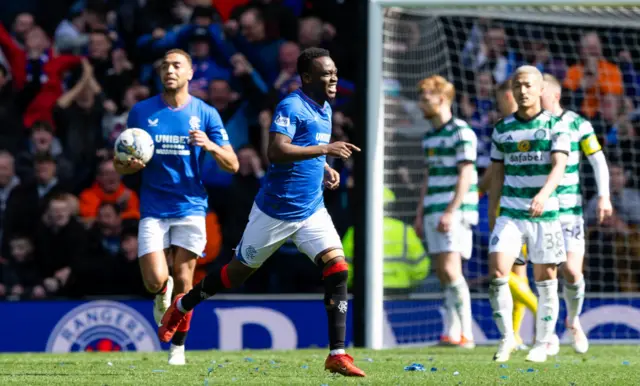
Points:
(293, 191)
(172, 181)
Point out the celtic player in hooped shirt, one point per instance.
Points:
(583, 140)
(530, 152)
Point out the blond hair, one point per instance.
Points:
(528, 70)
(439, 85)
(552, 80)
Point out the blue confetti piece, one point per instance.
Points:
(557, 365)
(504, 377)
(414, 367)
(456, 373)
(430, 359)
(248, 359)
(626, 363)
(503, 366)
(434, 369)
(132, 367)
(272, 362)
(324, 384)
(61, 364)
(220, 365)
(304, 367)
(257, 369)
(530, 370)
(209, 371)
(368, 359)
(206, 382)
(158, 371)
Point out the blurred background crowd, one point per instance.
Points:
(70, 70)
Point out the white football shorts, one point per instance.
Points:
(573, 230)
(544, 240)
(157, 234)
(458, 239)
(263, 235)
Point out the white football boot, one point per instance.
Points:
(162, 302)
(579, 339)
(538, 353)
(505, 348)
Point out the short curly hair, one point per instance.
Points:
(306, 58)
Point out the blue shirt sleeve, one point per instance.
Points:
(285, 119)
(215, 129)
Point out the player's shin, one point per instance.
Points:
(462, 306)
(335, 275)
(549, 306)
(180, 336)
(502, 305)
(574, 287)
(213, 283)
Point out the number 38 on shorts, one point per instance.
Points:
(544, 239)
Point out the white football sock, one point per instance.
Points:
(548, 309)
(502, 305)
(574, 299)
(452, 322)
(338, 351)
(462, 305)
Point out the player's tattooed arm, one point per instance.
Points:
(281, 150)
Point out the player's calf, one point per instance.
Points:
(335, 274)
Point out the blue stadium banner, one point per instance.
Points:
(279, 322)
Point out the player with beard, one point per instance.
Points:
(173, 200)
(448, 205)
(290, 205)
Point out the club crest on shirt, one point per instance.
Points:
(282, 121)
(194, 123)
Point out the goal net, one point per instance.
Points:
(477, 48)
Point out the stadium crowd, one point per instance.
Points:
(69, 74)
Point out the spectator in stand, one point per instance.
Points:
(127, 268)
(614, 245)
(259, 48)
(37, 73)
(10, 121)
(70, 36)
(61, 242)
(20, 274)
(280, 19)
(486, 49)
(114, 123)
(479, 110)
(211, 249)
(29, 199)
(205, 68)
(78, 117)
(95, 273)
(42, 141)
(287, 57)
(593, 77)
(22, 24)
(537, 53)
(108, 189)
(8, 182)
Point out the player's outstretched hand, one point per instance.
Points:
(133, 165)
(200, 138)
(605, 210)
(341, 149)
(331, 178)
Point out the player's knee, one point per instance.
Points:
(336, 271)
(542, 272)
(235, 273)
(154, 283)
(572, 272)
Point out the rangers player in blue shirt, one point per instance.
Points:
(172, 196)
(290, 206)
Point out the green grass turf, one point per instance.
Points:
(603, 365)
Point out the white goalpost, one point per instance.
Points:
(409, 40)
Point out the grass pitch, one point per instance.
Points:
(603, 365)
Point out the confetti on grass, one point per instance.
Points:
(414, 367)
